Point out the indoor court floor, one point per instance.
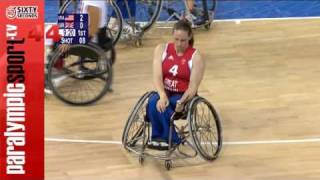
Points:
(261, 76)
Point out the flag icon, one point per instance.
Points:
(69, 25)
(69, 17)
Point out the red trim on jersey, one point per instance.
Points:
(175, 69)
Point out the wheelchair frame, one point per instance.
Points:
(103, 66)
(142, 135)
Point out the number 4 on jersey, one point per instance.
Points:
(174, 70)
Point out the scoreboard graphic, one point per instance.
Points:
(73, 28)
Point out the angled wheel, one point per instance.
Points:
(114, 22)
(150, 11)
(209, 9)
(205, 12)
(135, 128)
(205, 128)
(80, 76)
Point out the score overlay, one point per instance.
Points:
(73, 28)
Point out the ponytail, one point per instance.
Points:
(185, 25)
(191, 41)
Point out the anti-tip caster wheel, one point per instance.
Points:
(207, 26)
(141, 160)
(138, 42)
(168, 164)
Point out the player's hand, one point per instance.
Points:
(162, 103)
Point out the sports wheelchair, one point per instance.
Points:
(203, 9)
(82, 75)
(201, 132)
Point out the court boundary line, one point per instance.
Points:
(287, 141)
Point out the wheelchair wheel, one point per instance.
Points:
(205, 128)
(135, 126)
(151, 11)
(80, 76)
(114, 26)
(148, 12)
(208, 8)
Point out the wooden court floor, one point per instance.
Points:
(262, 77)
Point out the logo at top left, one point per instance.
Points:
(22, 12)
(11, 12)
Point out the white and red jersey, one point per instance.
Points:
(176, 70)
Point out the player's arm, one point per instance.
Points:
(157, 70)
(197, 71)
(158, 79)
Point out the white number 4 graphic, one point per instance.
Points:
(174, 70)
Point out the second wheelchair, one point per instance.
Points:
(81, 75)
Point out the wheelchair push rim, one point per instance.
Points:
(135, 127)
(80, 76)
(205, 128)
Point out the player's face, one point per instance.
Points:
(181, 40)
